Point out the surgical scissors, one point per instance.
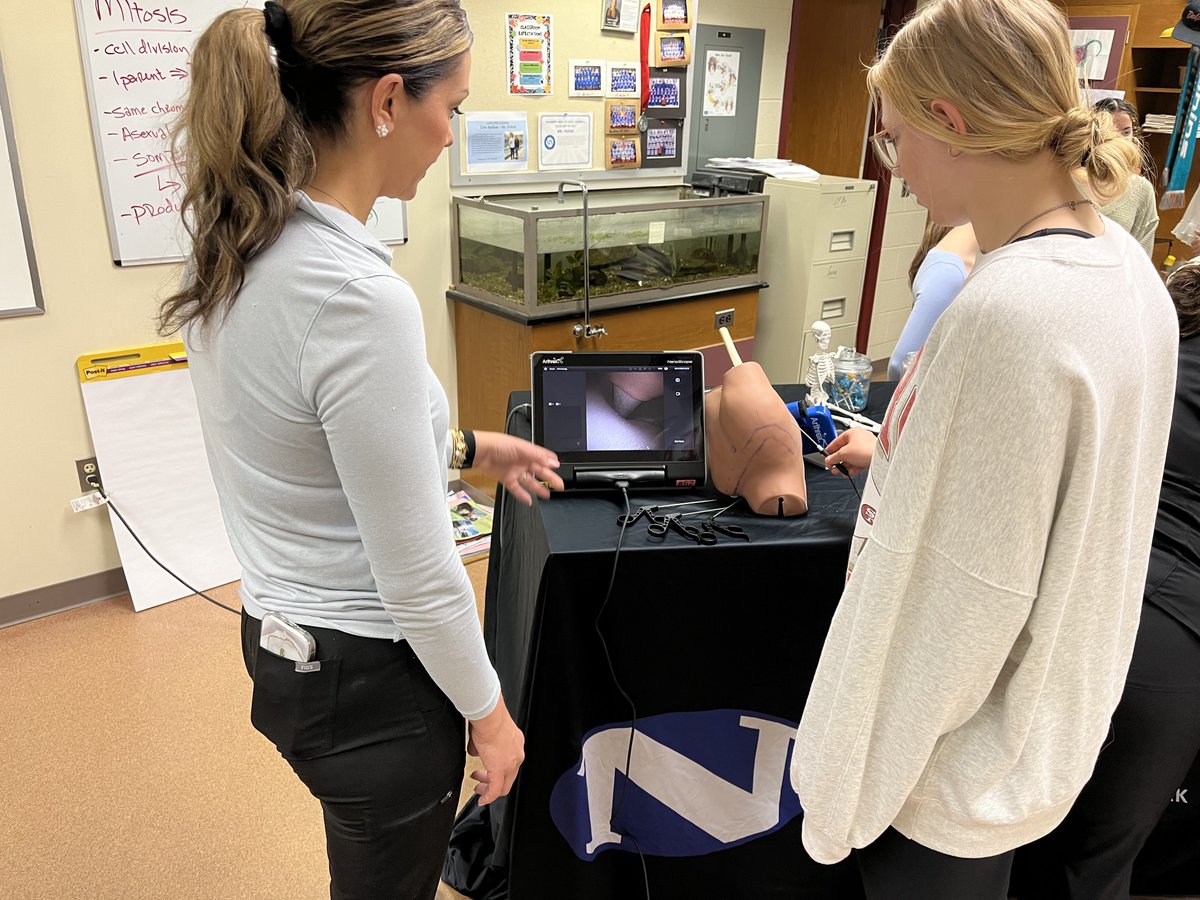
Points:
(711, 526)
(660, 525)
(649, 511)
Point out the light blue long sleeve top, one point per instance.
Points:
(938, 281)
(326, 433)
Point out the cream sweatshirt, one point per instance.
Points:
(981, 644)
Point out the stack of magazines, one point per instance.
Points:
(472, 523)
(1159, 124)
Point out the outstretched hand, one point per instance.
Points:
(524, 468)
(854, 448)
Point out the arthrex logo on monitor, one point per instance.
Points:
(699, 782)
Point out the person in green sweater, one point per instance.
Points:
(1136, 210)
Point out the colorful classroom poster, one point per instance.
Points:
(565, 141)
(496, 142)
(721, 82)
(529, 54)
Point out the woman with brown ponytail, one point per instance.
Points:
(995, 581)
(326, 430)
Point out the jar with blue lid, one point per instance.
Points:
(851, 380)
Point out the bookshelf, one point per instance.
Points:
(1156, 70)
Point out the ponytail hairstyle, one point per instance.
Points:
(932, 237)
(1007, 66)
(1183, 284)
(265, 86)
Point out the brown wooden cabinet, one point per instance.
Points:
(1149, 75)
(1156, 64)
(492, 351)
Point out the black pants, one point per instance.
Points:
(895, 868)
(378, 743)
(1155, 739)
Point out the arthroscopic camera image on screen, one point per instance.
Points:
(590, 409)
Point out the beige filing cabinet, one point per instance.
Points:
(814, 257)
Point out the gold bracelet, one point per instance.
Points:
(459, 456)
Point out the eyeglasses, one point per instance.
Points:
(884, 146)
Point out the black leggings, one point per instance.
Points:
(378, 743)
(896, 868)
(1155, 739)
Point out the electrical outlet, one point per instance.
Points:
(724, 318)
(87, 468)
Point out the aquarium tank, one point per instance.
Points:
(524, 254)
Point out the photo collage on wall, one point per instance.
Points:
(662, 142)
(632, 136)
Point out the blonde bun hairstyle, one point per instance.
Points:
(1007, 66)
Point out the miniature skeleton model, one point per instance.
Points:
(820, 366)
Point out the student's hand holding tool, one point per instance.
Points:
(853, 448)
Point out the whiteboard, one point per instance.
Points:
(136, 62)
(20, 291)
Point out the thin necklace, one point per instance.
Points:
(313, 187)
(1046, 212)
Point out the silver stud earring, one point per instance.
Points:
(381, 130)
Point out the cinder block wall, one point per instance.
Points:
(893, 297)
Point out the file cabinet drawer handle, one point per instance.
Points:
(834, 308)
(841, 241)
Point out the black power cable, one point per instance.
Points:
(94, 481)
(624, 486)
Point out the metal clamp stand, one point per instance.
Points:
(585, 329)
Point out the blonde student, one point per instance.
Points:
(995, 579)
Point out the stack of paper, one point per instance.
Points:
(1159, 124)
(776, 168)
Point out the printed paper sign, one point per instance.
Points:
(721, 82)
(529, 54)
(565, 141)
(496, 142)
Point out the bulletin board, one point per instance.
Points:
(20, 291)
(136, 65)
(518, 100)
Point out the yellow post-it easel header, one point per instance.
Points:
(133, 361)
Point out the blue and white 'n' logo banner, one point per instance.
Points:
(698, 782)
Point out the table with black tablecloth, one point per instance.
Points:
(715, 646)
(716, 632)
